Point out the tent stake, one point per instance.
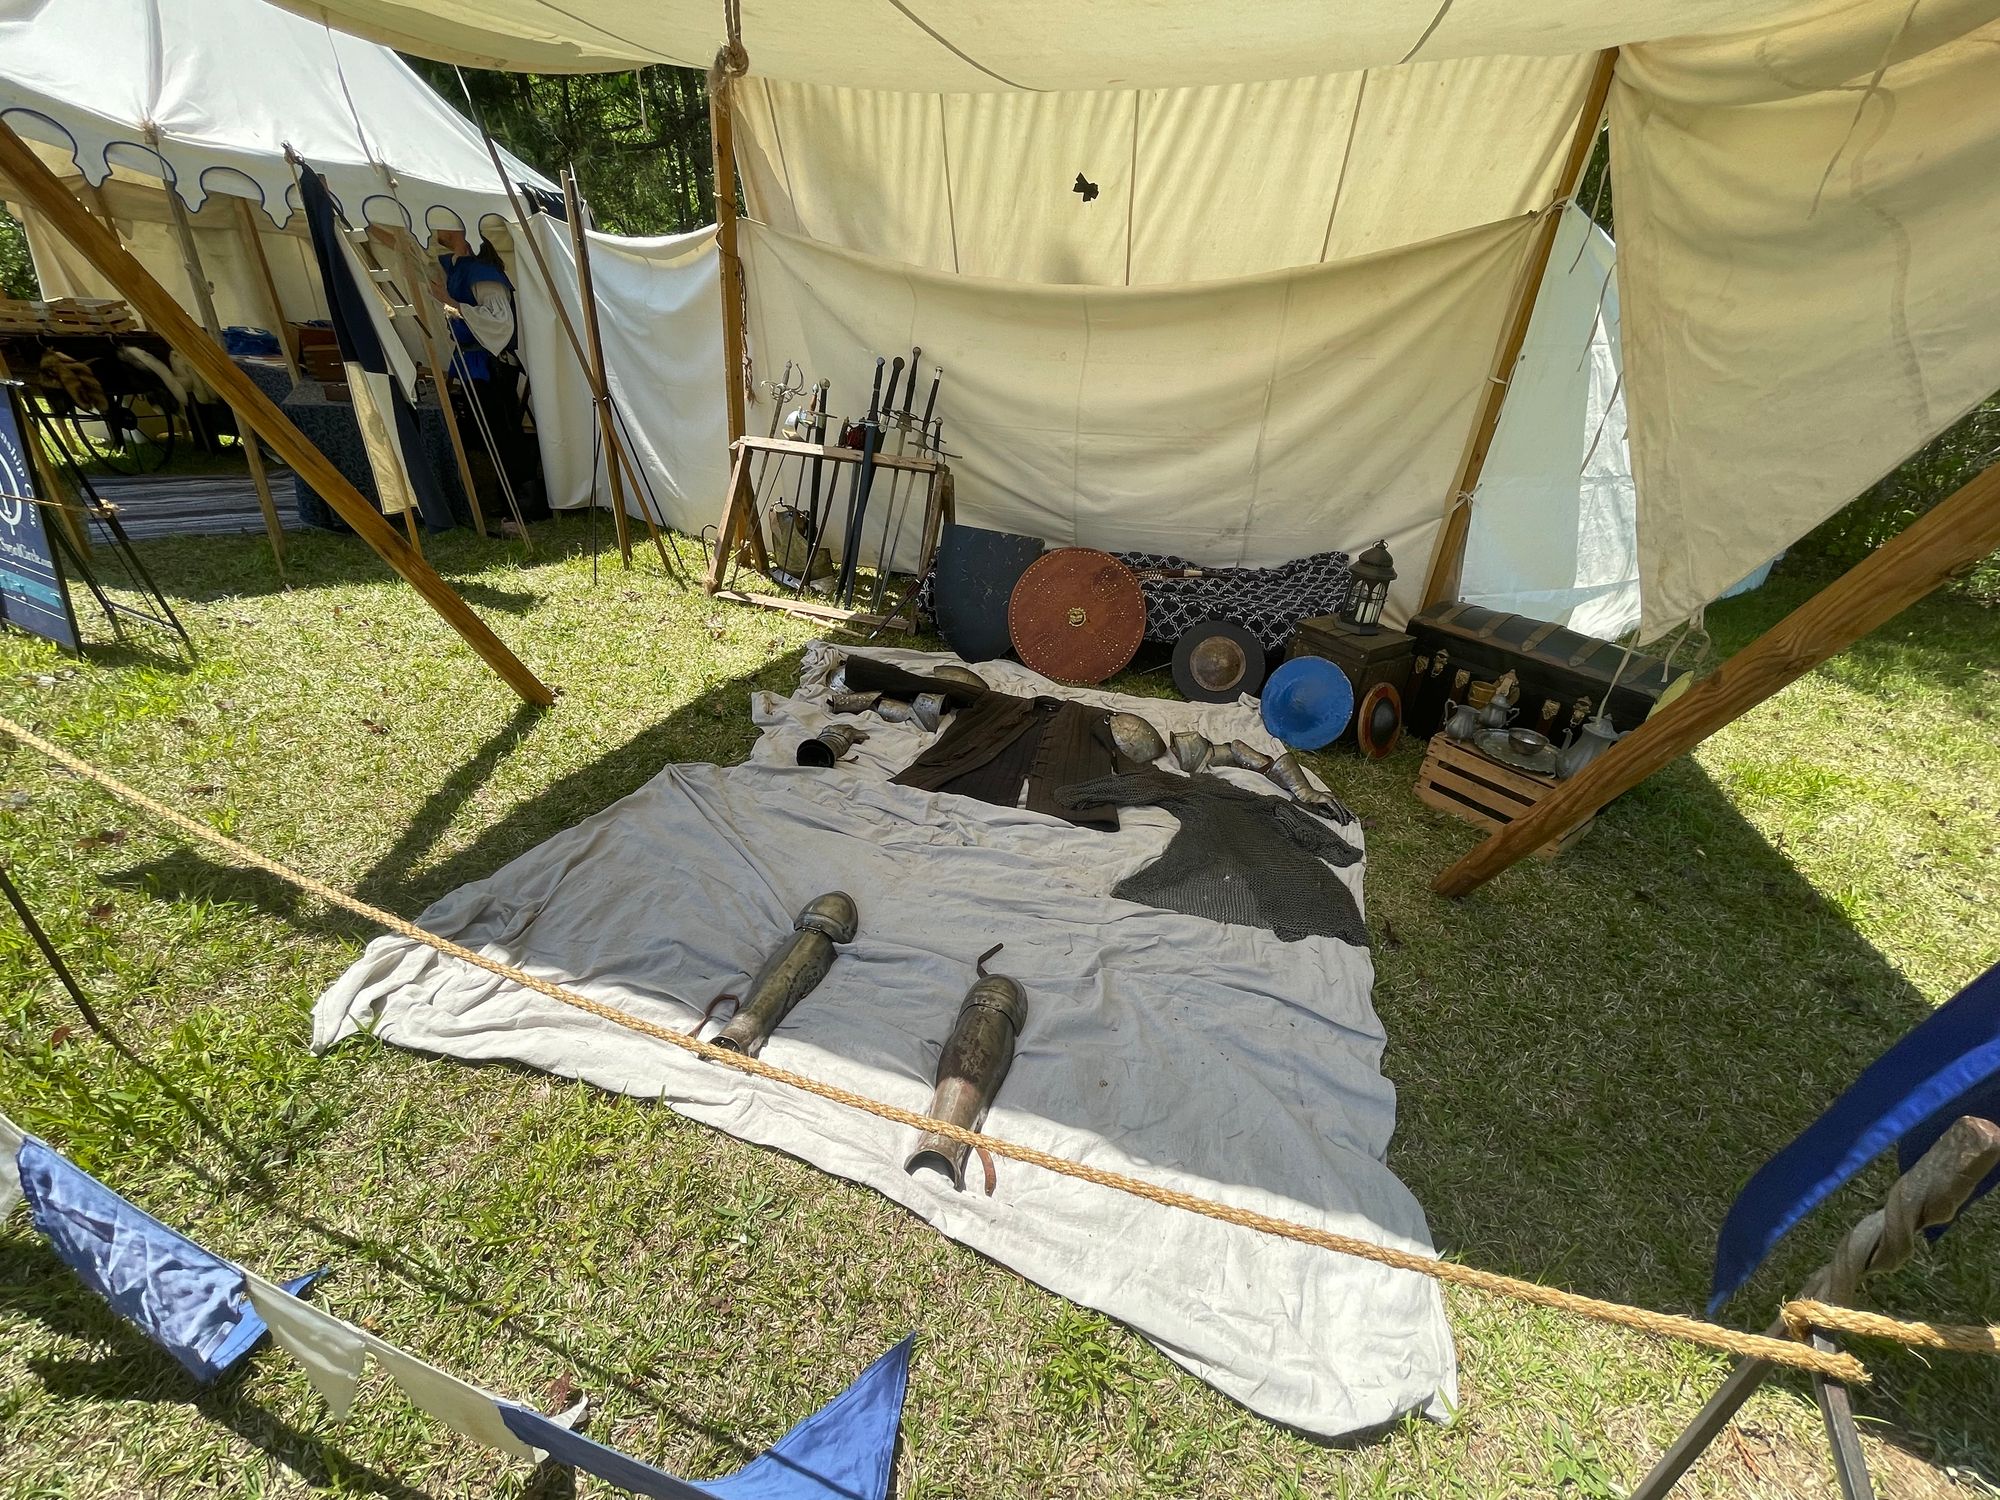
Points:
(205, 300)
(1448, 555)
(1951, 537)
(40, 187)
(586, 296)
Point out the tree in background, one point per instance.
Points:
(638, 141)
(17, 271)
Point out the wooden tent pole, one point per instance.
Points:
(152, 301)
(586, 296)
(205, 299)
(434, 346)
(1448, 555)
(576, 347)
(722, 136)
(246, 220)
(1949, 538)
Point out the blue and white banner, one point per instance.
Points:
(33, 596)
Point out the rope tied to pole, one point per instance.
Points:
(1804, 1315)
(1778, 1351)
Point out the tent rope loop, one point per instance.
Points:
(1778, 1351)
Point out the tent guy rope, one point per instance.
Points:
(1777, 1351)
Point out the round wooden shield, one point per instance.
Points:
(1077, 615)
(1378, 723)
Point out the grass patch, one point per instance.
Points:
(1590, 1056)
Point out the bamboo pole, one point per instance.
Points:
(246, 220)
(722, 135)
(1948, 539)
(73, 221)
(1448, 555)
(586, 296)
(204, 298)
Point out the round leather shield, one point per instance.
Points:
(1076, 615)
(976, 573)
(1215, 660)
(1378, 722)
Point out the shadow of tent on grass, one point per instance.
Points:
(125, 1367)
(1591, 1055)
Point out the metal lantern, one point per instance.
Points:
(1374, 570)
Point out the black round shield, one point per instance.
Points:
(976, 573)
(1216, 660)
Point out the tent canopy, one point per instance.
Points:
(206, 94)
(1271, 322)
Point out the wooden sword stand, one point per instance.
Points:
(742, 527)
(1929, 1194)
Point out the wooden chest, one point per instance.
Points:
(1384, 656)
(1555, 665)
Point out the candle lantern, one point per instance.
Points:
(1374, 570)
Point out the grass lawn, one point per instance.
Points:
(1590, 1056)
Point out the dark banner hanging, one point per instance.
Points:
(33, 595)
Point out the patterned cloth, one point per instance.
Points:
(1267, 602)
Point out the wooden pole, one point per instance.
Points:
(1448, 556)
(521, 220)
(1946, 540)
(420, 305)
(246, 219)
(722, 135)
(40, 187)
(586, 296)
(205, 299)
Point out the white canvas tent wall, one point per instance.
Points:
(1554, 532)
(1807, 196)
(131, 95)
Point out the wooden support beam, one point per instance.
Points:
(722, 135)
(152, 301)
(1948, 539)
(204, 297)
(1448, 555)
(253, 241)
(586, 296)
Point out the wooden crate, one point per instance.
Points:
(1459, 780)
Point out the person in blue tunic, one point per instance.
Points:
(480, 301)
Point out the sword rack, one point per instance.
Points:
(770, 475)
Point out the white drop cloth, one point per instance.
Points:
(1211, 1058)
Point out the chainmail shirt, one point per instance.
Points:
(1238, 856)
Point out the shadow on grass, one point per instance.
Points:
(204, 569)
(128, 1368)
(1591, 1055)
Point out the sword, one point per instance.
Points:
(857, 490)
(892, 522)
(817, 434)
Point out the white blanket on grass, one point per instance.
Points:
(1210, 1058)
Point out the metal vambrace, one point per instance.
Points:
(789, 974)
(970, 1070)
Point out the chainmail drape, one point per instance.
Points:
(1238, 856)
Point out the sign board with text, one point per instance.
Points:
(33, 594)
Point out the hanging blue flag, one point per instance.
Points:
(844, 1451)
(1947, 1066)
(373, 353)
(189, 1302)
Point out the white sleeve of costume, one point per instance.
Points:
(490, 316)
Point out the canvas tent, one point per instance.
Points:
(124, 97)
(1311, 219)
